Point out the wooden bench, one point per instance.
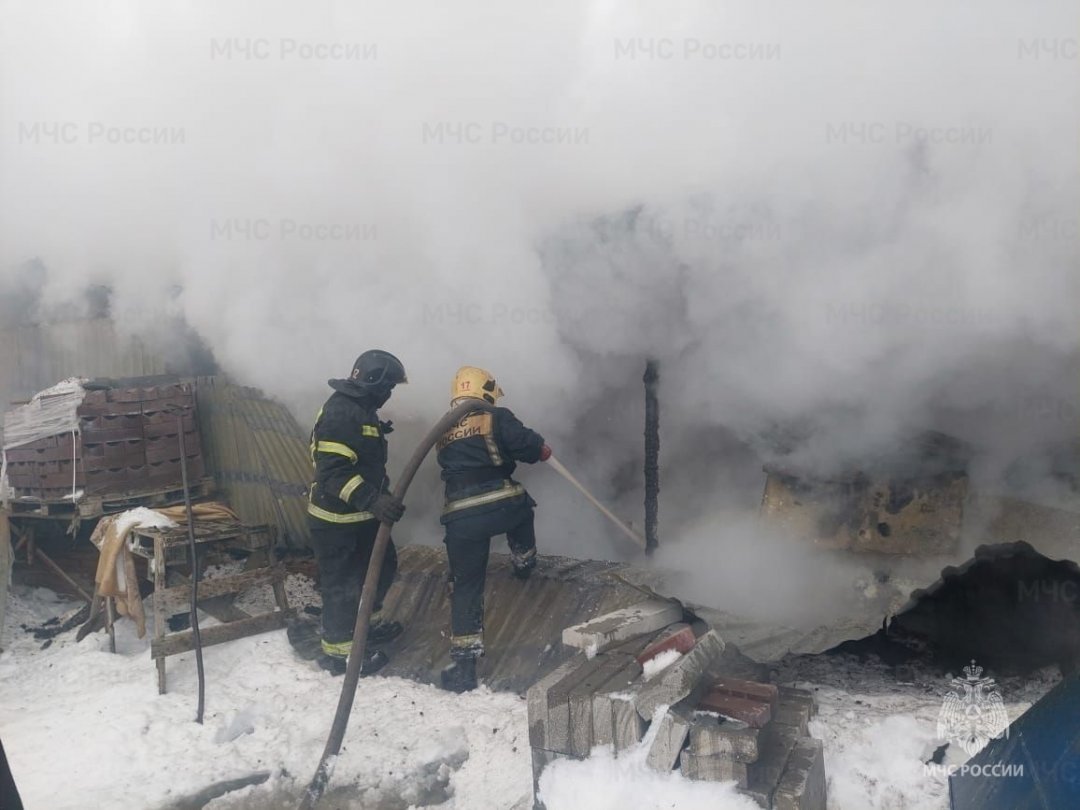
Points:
(167, 550)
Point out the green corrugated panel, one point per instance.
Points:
(259, 455)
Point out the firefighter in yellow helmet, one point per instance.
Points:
(478, 456)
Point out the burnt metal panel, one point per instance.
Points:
(883, 516)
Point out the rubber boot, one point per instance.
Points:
(333, 664)
(382, 631)
(460, 676)
(374, 660)
(523, 564)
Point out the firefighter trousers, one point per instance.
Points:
(468, 543)
(343, 551)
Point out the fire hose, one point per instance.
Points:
(324, 770)
(322, 775)
(193, 550)
(565, 473)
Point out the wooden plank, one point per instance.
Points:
(158, 570)
(177, 643)
(56, 569)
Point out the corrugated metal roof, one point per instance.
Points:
(523, 621)
(258, 455)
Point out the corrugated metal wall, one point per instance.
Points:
(36, 356)
(258, 455)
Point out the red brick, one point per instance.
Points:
(754, 713)
(752, 690)
(680, 638)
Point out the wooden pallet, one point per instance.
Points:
(90, 507)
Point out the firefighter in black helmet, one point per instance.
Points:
(347, 501)
(478, 456)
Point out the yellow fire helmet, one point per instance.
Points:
(476, 383)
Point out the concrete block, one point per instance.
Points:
(775, 744)
(712, 769)
(681, 678)
(537, 701)
(600, 633)
(751, 712)
(802, 697)
(669, 740)
(713, 736)
(678, 637)
(793, 714)
(802, 786)
(603, 717)
(540, 760)
(559, 728)
(796, 708)
(628, 726)
(582, 735)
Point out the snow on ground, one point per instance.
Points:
(879, 732)
(603, 782)
(86, 728)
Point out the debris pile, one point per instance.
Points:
(652, 673)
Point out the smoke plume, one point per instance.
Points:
(833, 224)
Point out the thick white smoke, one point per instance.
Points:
(831, 221)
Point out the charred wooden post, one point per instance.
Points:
(652, 454)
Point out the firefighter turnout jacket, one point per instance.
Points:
(348, 452)
(478, 456)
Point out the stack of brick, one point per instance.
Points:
(127, 441)
(756, 735)
(710, 729)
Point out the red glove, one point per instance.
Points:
(545, 453)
